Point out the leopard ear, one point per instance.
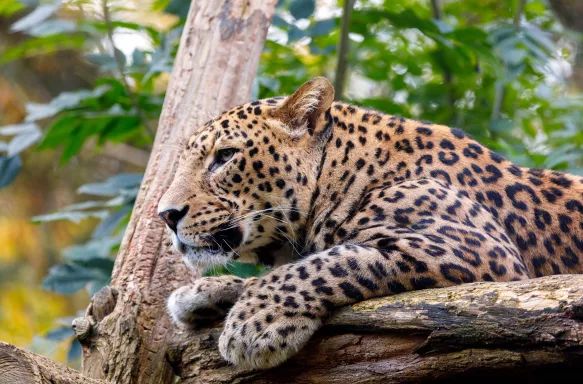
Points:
(303, 110)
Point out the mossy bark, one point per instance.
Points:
(528, 329)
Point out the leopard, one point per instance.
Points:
(344, 203)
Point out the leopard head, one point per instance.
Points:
(246, 178)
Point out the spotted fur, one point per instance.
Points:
(372, 205)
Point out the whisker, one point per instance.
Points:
(252, 213)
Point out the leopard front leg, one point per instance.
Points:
(209, 298)
(277, 314)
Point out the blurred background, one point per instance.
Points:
(82, 85)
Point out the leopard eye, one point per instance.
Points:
(222, 157)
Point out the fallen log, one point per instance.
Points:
(531, 330)
(528, 329)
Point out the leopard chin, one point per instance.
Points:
(201, 257)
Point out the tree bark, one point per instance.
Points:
(530, 329)
(18, 366)
(126, 331)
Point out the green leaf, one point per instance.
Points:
(443, 27)
(243, 270)
(74, 216)
(9, 168)
(41, 46)
(294, 34)
(17, 129)
(540, 38)
(121, 129)
(10, 7)
(52, 27)
(536, 52)
(24, 140)
(178, 8)
(40, 13)
(302, 9)
(279, 22)
(82, 254)
(106, 62)
(60, 131)
(74, 144)
(502, 126)
(112, 186)
(514, 56)
(554, 159)
(138, 58)
(322, 27)
(60, 333)
(111, 223)
(69, 278)
(122, 57)
(75, 350)
(64, 101)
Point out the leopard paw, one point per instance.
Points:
(209, 298)
(261, 338)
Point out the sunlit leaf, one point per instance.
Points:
(23, 140)
(18, 129)
(113, 185)
(52, 27)
(74, 216)
(39, 14)
(63, 101)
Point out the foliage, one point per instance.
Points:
(492, 68)
(123, 104)
(89, 264)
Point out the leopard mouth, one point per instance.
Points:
(184, 248)
(212, 248)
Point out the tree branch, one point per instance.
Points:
(525, 328)
(343, 47)
(18, 366)
(532, 330)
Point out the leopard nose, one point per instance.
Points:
(173, 216)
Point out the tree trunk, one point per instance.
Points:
(214, 69)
